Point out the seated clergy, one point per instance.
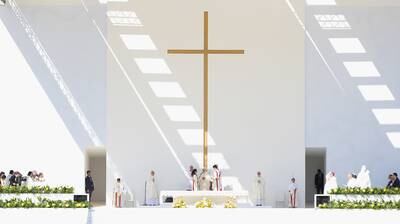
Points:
(351, 180)
(205, 181)
(118, 193)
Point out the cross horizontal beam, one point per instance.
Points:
(195, 51)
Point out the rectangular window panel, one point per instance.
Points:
(181, 113)
(376, 92)
(394, 138)
(138, 42)
(359, 69)
(213, 158)
(194, 137)
(387, 116)
(333, 22)
(321, 2)
(167, 89)
(152, 65)
(347, 45)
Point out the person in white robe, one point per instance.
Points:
(151, 190)
(195, 180)
(351, 180)
(118, 193)
(204, 181)
(363, 179)
(330, 183)
(216, 180)
(258, 190)
(292, 193)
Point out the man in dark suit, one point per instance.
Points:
(11, 179)
(89, 185)
(319, 182)
(396, 181)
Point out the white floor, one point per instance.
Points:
(197, 216)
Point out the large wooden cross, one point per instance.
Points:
(205, 52)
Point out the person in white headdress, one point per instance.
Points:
(118, 193)
(258, 189)
(151, 190)
(363, 179)
(205, 181)
(351, 180)
(330, 183)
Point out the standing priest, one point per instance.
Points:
(151, 194)
(258, 189)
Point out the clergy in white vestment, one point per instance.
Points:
(204, 181)
(258, 189)
(330, 183)
(195, 180)
(363, 179)
(216, 179)
(351, 180)
(118, 193)
(292, 193)
(151, 190)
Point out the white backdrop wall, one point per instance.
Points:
(342, 120)
(256, 99)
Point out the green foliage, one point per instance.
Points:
(42, 203)
(361, 205)
(365, 191)
(36, 190)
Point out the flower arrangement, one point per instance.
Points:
(42, 203)
(230, 203)
(180, 203)
(204, 203)
(365, 191)
(361, 205)
(36, 190)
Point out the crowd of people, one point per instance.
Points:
(324, 184)
(16, 178)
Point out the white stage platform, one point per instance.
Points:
(105, 215)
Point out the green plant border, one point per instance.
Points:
(36, 190)
(42, 203)
(365, 191)
(376, 205)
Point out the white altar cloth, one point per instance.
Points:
(217, 197)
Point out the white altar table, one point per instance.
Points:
(217, 197)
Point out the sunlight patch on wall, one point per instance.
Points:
(108, 1)
(213, 158)
(138, 42)
(321, 2)
(152, 66)
(387, 116)
(376, 92)
(333, 22)
(124, 18)
(394, 138)
(347, 45)
(167, 89)
(181, 113)
(193, 137)
(361, 69)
